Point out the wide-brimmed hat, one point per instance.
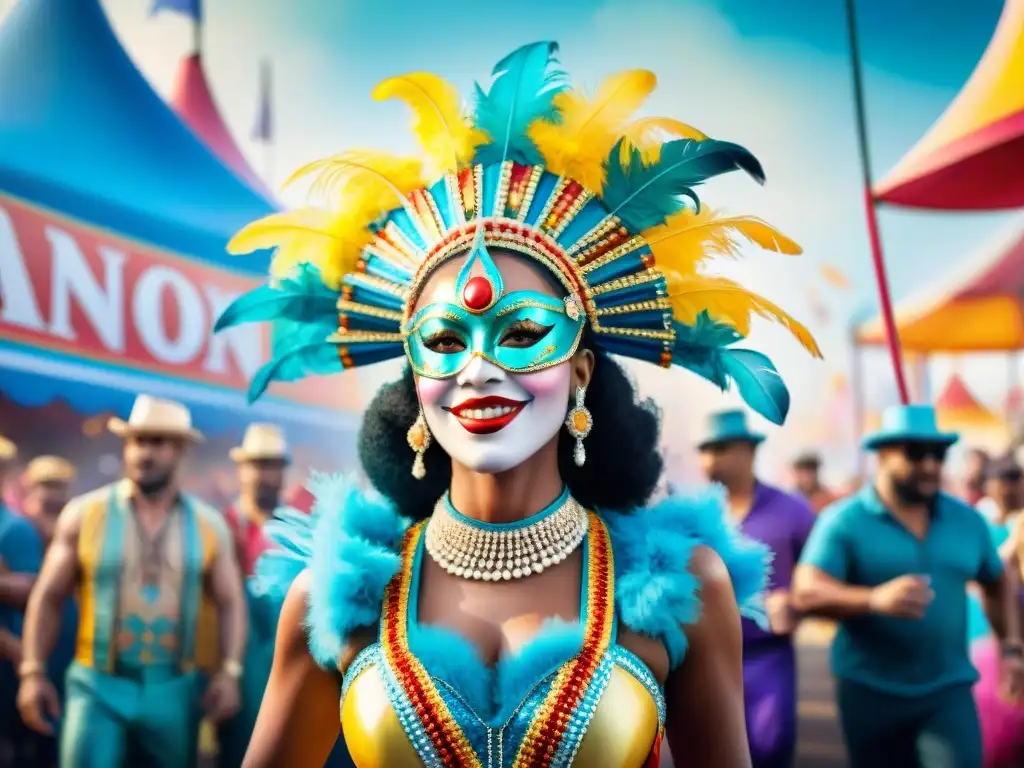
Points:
(908, 424)
(261, 442)
(156, 416)
(728, 427)
(8, 450)
(49, 469)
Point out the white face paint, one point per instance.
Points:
(489, 420)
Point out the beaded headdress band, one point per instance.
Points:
(605, 203)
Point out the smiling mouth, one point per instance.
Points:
(486, 415)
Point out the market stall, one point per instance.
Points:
(113, 224)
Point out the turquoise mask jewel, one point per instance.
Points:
(521, 332)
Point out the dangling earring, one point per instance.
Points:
(579, 422)
(418, 438)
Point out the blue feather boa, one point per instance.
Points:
(351, 543)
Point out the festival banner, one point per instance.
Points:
(88, 293)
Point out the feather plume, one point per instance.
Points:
(578, 143)
(447, 137)
(331, 241)
(688, 238)
(704, 348)
(302, 315)
(728, 302)
(300, 297)
(643, 196)
(648, 134)
(363, 183)
(523, 88)
(758, 383)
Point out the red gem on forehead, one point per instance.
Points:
(478, 293)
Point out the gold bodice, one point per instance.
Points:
(577, 698)
(621, 733)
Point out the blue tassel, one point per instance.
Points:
(522, 92)
(703, 349)
(644, 196)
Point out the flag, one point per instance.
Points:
(833, 276)
(190, 8)
(263, 126)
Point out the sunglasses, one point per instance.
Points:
(918, 452)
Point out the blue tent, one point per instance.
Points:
(83, 134)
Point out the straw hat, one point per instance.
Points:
(49, 469)
(261, 442)
(8, 450)
(155, 416)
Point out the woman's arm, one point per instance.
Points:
(298, 721)
(706, 721)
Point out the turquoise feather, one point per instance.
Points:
(523, 89)
(704, 349)
(302, 314)
(302, 297)
(298, 350)
(644, 196)
(758, 382)
(655, 593)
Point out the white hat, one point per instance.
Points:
(8, 450)
(154, 416)
(261, 441)
(49, 469)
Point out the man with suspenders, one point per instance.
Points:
(143, 557)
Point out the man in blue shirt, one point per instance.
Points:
(21, 556)
(892, 565)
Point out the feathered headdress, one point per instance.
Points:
(604, 201)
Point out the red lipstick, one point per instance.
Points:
(486, 415)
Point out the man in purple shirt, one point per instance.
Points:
(782, 522)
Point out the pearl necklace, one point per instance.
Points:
(494, 552)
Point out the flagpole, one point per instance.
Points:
(197, 30)
(268, 139)
(874, 235)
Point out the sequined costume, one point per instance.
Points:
(571, 696)
(606, 206)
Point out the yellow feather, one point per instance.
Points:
(648, 134)
(447, 137)
(689, 238)
(364, 183)
(329, 240)
(579, 144)
(731, 303)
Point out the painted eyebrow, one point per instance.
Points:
(432, 312)
(515, 306)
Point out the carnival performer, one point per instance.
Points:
(505, 598)
(782, 522)
(1000, 715)
(892, 565)
(142, 555)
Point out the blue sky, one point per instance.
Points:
(772, 76)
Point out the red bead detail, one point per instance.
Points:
(478, 293)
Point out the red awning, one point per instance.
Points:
(972, 157)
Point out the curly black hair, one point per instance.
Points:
(620, 474)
